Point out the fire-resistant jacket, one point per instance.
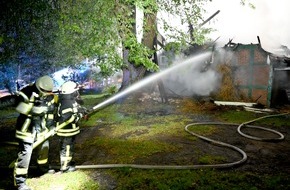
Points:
(49, 119)
(69, 112)
(29, 106)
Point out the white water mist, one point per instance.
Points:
(199, 79)
(175, 69)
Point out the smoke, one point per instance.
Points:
(197, 78)
(269, 20)
(191, 62)
(242, 24)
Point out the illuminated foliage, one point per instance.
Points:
(61, 33)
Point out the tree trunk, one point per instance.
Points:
(131, 73)
(150, 40)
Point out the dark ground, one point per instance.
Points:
(263, 157)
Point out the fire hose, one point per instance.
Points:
(180, 167)
(218, 143)
(43, 138)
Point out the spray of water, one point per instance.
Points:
(153, 78)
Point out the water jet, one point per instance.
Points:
(153, 77)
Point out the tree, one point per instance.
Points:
(86, 31)
(26, 28)
(138, 57)
(58, 33)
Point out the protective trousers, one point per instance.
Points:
(66, 152)
(22, 163)
(42, 157)
(24, 156)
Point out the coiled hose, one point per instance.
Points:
(218, 143)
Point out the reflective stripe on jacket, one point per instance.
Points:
(70, 128)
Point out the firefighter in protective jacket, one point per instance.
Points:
(70, 112)
(28, 126)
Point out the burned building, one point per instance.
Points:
(257, 75)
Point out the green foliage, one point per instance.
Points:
(61, 33)
(199, 35)
(87, 29)
(148, 6)
(27, 35)
(140, 54)
(173, 46)
(110, 90)
(190, 12)
(26, 28)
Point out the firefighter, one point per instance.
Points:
(47, 123)
(28, 126)
(70, 112)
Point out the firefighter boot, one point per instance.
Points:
(69, 169)
(23, 186)
(20, 182)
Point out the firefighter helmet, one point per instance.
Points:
(69, 87)
(44, 84)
